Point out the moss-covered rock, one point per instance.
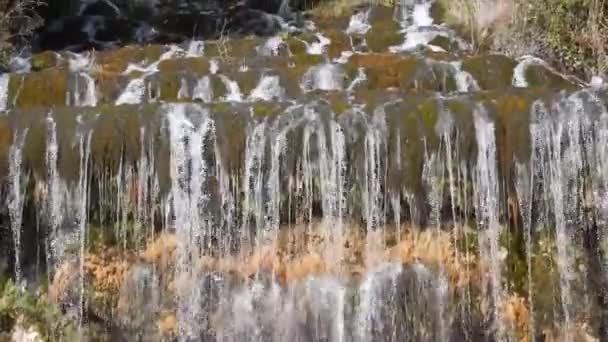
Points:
(490, 71)
(383, 35)
(47, 88)
(542, 76)
(45, 60)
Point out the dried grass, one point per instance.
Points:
(572, 32)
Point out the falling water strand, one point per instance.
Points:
(82, 216)
(202, 90)
(487, 209)
(253, 185)
(233, 91)
(55, 195)
(268, 89)
(15, 197)
(4, 82)
(525, 180)
(372, 194)
(189, 172)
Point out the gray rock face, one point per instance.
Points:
(103, 24)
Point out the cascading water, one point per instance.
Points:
(312, 192)
(487, 209)
(4, 79)
(268, 89)
(15, 198)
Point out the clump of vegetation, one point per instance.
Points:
(18, 21)
(570, 33)
(20, 307)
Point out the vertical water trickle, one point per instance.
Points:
(564, 152)
(523, 185)
(15, 197)
(268, 89)
(487, 211)
(253, 186)
(373, 293)
(465, 82)
(202, 90)
(145, 180)
(233, 91)
(334, 195)
(4, 81)
(189, 128)
(82, 194)
(373, 198)
(273, 185)
(55, 197)
(395, 195)
(85, 94)
(434, 180)
(184, 92)
(325, 77)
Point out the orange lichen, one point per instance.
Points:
(167, 325)
(516, 316)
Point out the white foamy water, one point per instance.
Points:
(519, 73)
(318, 46)
(202, 90)
(233, 91)
(268, 89)
(323, 77)
(359, 23)
(183, 92)
(214, 66)
(4, 81)
(272, 46)
(465, 82)
(135, 91)
(84, 92)
(196, 48)
(15, 197)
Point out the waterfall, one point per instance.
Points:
(268, 89)
(15, 197)
(359, 179)
(4, 82)
(189, 195)
(487, 209)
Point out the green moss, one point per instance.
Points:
(541, 76)
(116, 61)
(46, 88)
(44, 60)
(382, 35)
(233, 48)
(34, 310)
(188, 66)
(339, 42)
(490, 71)
(169, 84)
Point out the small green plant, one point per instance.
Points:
(18, 306)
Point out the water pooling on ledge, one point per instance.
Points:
(311, 190)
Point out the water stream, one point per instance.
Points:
(306, 190)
